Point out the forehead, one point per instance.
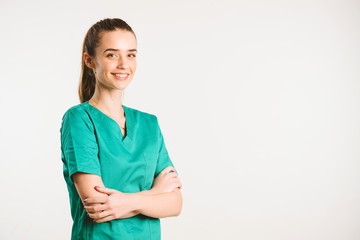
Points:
(118, 39)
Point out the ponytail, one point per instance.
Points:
(87, 80)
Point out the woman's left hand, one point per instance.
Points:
(114, 206)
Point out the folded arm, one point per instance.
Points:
(160, 205)
(165, 199)
(103, 204)
(85, 185)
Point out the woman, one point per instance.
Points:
(117, 169)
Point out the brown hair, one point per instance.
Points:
(91, 41)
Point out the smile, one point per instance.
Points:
(121, 76)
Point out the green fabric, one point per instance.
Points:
(92, 142)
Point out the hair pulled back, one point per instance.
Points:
(91, 41)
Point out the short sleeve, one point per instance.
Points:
(78, 143)
(163, 159)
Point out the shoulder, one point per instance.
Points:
(142, 115)
(78, 110)
(77, 115)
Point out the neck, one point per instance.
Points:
(109, 102)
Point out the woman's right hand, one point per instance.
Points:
(166, 181)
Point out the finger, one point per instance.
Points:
(172, 174)
(96, 208)
(108, 191)
(177, 182)
(105, 219)
(178, 178)
(168, 169)
(99, 215)
(95, 200)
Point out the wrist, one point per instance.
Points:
(149, 192)
(137, 200)
(154, 191)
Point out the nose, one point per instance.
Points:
(123, 63)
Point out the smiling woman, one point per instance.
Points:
(118, 172)
(112, 64)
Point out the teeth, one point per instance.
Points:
(121, 75)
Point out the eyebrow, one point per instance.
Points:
(115, 50)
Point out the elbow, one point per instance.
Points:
(178, 211)
(179, 203)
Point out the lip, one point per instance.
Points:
(121, 78)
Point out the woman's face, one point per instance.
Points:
(115, 59)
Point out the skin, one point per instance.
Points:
(102, 204)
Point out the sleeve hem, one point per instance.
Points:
(94, 171)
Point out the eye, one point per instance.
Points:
(132, 55)
(111, 55)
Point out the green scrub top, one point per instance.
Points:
(92, 142)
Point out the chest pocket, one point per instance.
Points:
(150, 167)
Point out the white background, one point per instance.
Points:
(258, 101)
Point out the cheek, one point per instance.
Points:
(134, 65)
(107, 69)
(99, 67)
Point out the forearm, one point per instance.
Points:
(144, 193)
(158, 205)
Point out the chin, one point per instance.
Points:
(121, 86)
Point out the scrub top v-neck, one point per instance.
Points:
(117, 130)
(92, 142)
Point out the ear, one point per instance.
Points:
(89, 61)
